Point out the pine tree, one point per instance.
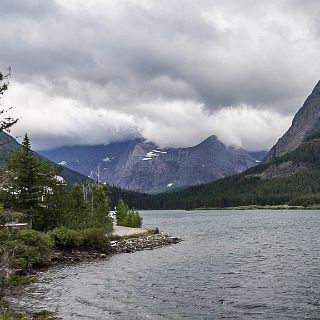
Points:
(7, 122)
(77, 210)
(122, 211)
(32, 184)
(25, 180)
(100, 207)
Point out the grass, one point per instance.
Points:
(9, 314)
(21, 281)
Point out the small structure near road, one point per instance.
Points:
(12, 220)
(11, 226)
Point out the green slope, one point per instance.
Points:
(292, 179)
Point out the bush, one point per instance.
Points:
(133, 219)
(66, 238)
(31, 247)
(95, 239)
(154, 231)
(19, 281)
(91, 238)
(126, 217)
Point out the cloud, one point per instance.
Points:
(57, 121)
(163, 69)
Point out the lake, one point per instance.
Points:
(231, 265)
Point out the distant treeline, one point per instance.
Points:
(247, 188)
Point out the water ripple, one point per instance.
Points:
(231, 265)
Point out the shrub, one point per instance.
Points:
(19, 281)
(91, 238)
(153, 231)
(66, 238)
(126, 217)
(94, 238)
(133, 219)
(31, 248)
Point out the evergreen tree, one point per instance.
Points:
(31, 185)
(77, 213)
(122, 211)
(7, 122)
(25, 180)
(126, 217)
(100, 207)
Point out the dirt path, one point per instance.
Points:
(126, 231)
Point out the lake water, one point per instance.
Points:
(231, 265)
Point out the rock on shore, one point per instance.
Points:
(143, 243)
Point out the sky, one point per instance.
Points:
(172, 71)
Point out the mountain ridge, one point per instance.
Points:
(289, 178)
(142, 166)
(305, 123)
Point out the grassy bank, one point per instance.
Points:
(8, 314)
(266, 207)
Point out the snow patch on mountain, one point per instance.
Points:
(159, 151)
(153, 154)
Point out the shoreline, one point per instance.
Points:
(258, 207)
(124, 245)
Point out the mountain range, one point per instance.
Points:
(289, 174)
(142, 166)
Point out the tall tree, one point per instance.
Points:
(25, 178)
(6, 121)
(100, 207)
(122, 211)
(32, 183)
(77, 210)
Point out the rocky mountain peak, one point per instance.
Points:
(315, 92)
(210, 140)
(305, 123)
(144, 166)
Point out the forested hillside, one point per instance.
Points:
(292, 179)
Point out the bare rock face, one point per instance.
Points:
(142, 166)
(305, 123)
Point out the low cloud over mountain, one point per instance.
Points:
(172, 71)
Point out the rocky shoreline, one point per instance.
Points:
(143, 243)
(129, 245)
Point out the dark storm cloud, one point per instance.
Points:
(124, 56)
(27, 9)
